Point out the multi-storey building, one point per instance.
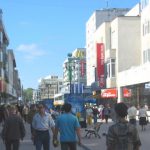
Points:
(49, 86)
(10, 85)
(138, 77)
(74, 71)
(117, 45)
(97, 18)
(13, 84)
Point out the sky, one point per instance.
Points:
(42, 32)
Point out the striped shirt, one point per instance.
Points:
(122, 136)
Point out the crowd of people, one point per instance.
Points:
(63, 121)
(41, 120)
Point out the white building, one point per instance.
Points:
(49, 86)
(138, 77)
(126, 42)
(97, 18)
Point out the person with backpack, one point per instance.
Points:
(122, 135)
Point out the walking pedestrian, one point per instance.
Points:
(32, 112)
(122, 135)
(106, 112)
(143, 117)
(13, 130)
(132, 113)
(95, 114)
(41, 123)
(25, 112)
(68, 126)
(89, 115)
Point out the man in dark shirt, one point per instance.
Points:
(13, 130)
(122, 135)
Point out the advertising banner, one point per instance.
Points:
(100, 64)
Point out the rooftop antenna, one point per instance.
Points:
(107, 3)
(107, 9)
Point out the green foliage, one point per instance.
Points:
(28, 94)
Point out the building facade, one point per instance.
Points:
(138, 77)
(74, 71)
(96, 19)
(49, 86)
(10, 84)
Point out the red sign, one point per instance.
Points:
(109, 93)
(100, 64)
(126, 92)
(112, 93)
(82, 62)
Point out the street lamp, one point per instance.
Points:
(69, 67)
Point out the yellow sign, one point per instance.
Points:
(79, 54)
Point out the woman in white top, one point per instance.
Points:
(143, 117)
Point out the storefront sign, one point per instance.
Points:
(109, 93)
(79, 54)
(112, 93)
(126, 92)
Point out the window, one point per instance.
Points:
(111, 68)
(146, 28)
(146, 56)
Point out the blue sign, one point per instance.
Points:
(77, 102)
(48, 103)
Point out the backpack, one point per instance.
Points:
(124, 136)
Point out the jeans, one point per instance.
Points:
(42, 138)
(68, 146)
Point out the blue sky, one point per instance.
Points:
(43, 32)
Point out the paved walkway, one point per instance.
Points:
(92, 143)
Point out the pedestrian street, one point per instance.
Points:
(92, 143)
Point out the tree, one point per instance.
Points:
(28, 94)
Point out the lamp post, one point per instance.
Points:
(69, 67)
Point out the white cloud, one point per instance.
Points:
(30, 51)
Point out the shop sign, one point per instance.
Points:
(79, 54)
(112, 93)
(109, 93)
(126, 92)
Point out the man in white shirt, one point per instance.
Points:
(132, 112)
